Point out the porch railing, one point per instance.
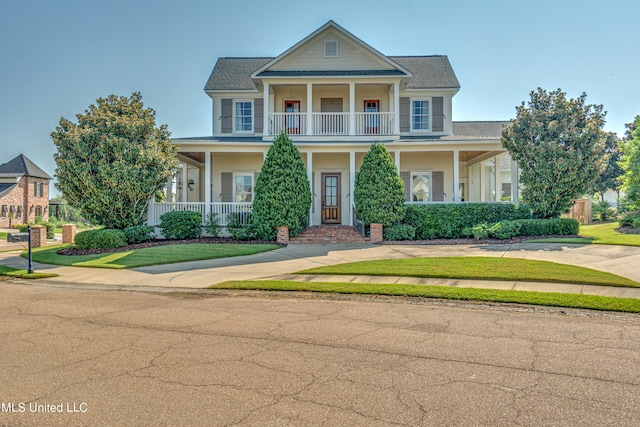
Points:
(291, 123)
(330, 123)
(222, 209)
(374, 123)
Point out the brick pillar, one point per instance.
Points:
(38, 236)
(376, 233)
(283, 234)
(68, 233)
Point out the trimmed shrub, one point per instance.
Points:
(378, 191)
(212, 225)
(138, 233)
(480, 231)
(548, 227)
(448, 221)
(505, 229)
(282, 192)
(630, 219)
(240, 225)
(106, 238)
(180, 225)
(399, 232)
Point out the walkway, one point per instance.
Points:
(279, 264)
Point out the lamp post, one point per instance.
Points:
(30, 269)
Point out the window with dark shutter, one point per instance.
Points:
(437, 186)
(405, 115)
(226, 187)
(258, 115)
(438, 114)
(226, 116)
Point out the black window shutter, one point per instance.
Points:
(226, 187)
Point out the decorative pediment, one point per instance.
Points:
(329, 51)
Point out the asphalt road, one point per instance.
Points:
(109, 357)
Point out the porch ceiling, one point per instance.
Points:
(197, 156)
(465, 156)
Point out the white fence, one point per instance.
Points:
(374, 123)
(224, 210)
(336, 124)
(291, 123)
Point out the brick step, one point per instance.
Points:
(329, 234)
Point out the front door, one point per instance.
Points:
(292, 120)
(331, 198)
(372, 120)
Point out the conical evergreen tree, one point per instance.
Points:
(378, 191)
(283, 196)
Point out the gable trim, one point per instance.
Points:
(346, 33)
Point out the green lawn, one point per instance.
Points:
(23, 274)
(148, 256)
(3, 235)
(482, 268)
(600, 234)
(590, 302)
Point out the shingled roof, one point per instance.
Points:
(21, 165)
(429, 72)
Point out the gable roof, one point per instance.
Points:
(21, 165)
(420, 72)
(332, 25)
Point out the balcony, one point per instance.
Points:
(331, 124)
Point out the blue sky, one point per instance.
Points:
(58, 57)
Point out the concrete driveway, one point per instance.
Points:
(107, 357)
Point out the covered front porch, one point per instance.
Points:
(436, 175)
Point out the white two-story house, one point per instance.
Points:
(334, 95)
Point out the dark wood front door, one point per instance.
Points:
(331, 198)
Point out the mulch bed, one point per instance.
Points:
(74, 251)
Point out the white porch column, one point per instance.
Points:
(310, 177)
(396, 108)
(352, 108)
(207, 183)
(309, 109)
(265, 118)
(456, 176)
(497, 186)
(396, 158)
(185, 182)
(515, 181)
(483, 191)
(352, 183)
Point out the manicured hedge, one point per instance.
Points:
(100, 239)
(181, 225)
(138, 233)
(526, 227)
(399, 232)
(448, 221)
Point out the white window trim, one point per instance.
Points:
(337, 48)
(233, 185)
(429, 124)
(253, 115)
(412, 174)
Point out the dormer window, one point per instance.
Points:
(331, 48)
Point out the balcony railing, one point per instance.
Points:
(332, 124)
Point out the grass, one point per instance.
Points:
(590, 302)
(148, 256)
(3, 235)
(599, 234)
(23, 274)
(480, 268)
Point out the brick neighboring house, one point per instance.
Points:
(24, 192)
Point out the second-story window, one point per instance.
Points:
(420, 115)
(37, 189)
(243, 116)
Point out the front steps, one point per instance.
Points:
(329, 234)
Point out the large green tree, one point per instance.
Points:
(611, 176)
(630, 148)
(559, 145)
(113, 160)
(378, 192)
(282, 193)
